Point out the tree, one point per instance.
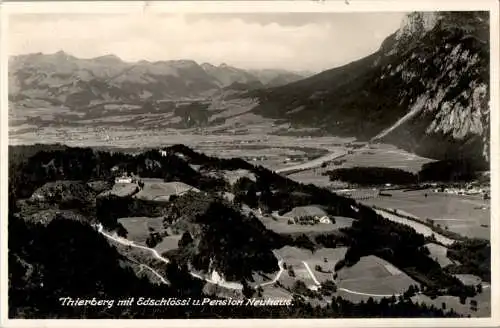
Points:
(291, 273)
(247, 290)
(443, 306)
(300, 287)
(185, 240)
(153, 239)
(479, 288)
(318, 268)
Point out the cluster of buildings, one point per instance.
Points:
(124, 177)
(467, 190)
(311, 220)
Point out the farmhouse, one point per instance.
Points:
(308, 215)
(314, 288)
(123, 179)
(325, 220)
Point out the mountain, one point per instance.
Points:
(63, 242)
(63, 79)
(277, 77)
(426, 89)
(227, 75)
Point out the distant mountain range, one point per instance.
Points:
(76, 82)
(426, 89)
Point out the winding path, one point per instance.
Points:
(155, 273)
(311, 273)
(222, 283)
(278, 275)
(366, 294)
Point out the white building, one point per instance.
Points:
(325, 220)
(314, 288)
(123, 180)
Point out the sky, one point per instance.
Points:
(292, 41)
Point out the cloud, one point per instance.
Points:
(291, 41)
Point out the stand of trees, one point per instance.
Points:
(474, 256)
(452, 170)
(367, 176)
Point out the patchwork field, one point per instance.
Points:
(459, 213)
(138, 227)
(374, 155)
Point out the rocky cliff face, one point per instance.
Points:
(426, 89)
(443, 68)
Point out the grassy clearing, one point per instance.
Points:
(438, 253)
(161, 191)
(468, 279)
(168, 243)
(419, 227)
(121, 190)
(138, 227)
(381, 155)
(280, 225)
(290, 253)
(233, 176)
(274, 292)
(374, 276)
(459, 213)
(333, 255)
(483, 303)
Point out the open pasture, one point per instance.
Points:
(280, 224)
(168, 243)
(161, 191)
(138, 227)
(483, 303)
(438, 253)
(468, 279)
(332, 256)
(459, 213)
(372, 275)
(383, 155)
(121, 190)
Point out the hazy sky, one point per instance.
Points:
(296, 41)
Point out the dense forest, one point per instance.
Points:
(439, 171)
(367, 176)
(67, 257)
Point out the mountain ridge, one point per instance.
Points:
(426, 85)
(78, 82)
